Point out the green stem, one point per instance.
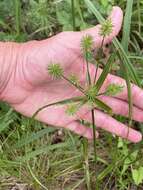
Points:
(87, 67)
(78, 98)
(17, 16)
(139, 15)
(94, 134)
(101, 50)
(74, 84)
(73, 15)
(94, 143)
(86, 163)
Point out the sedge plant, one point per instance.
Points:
(90, 91)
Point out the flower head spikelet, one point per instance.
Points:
(71, 109)
(87, 43)
(114, 89)
(87, 47)
(106, 28)
(55, 70)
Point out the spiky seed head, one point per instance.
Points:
(106, 28)
(114, 89)
(87, 43)
(55, 70)
(71, 109)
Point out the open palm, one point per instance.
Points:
(31, 87)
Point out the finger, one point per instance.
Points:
(109, 124)
(81, 130)
(116, 17)
(122, 108)
(72, 40)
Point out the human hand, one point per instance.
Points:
(30, 87)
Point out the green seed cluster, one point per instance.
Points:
(113, 89)
(87, 43)
(106, 28)
(55, 70)
(71, 109)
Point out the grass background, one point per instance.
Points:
(42, 157)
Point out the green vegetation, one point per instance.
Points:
(42, 157)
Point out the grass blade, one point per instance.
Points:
(127, 25)
(73, 15)
(104, 73)
(32, 137)
(17, 16)
(102, 105)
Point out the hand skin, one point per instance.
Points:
(26, 85)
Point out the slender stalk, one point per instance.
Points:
(73, 84)
(17, 16)
(85, 140)
(94, 134)
(87, 67)
(86, 163)
(101, 49)
(56, 103)
(73, 15)
(139, 15)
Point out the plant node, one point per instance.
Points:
(91, 93)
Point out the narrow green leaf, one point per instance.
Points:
(104, 73)
(127, 78)
(18, 16)
(126, 62)
(127, 25)
(105, 172)
(103, 106)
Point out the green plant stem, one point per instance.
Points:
(56, 103)
(17, 16)
(87, 67)
(94, 134)
(139, 15)
(86, 163)
(94, 143)
(96, 72)
(73, 84)
(73, 15)
(92, 113)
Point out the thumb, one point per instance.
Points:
(116, 18)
